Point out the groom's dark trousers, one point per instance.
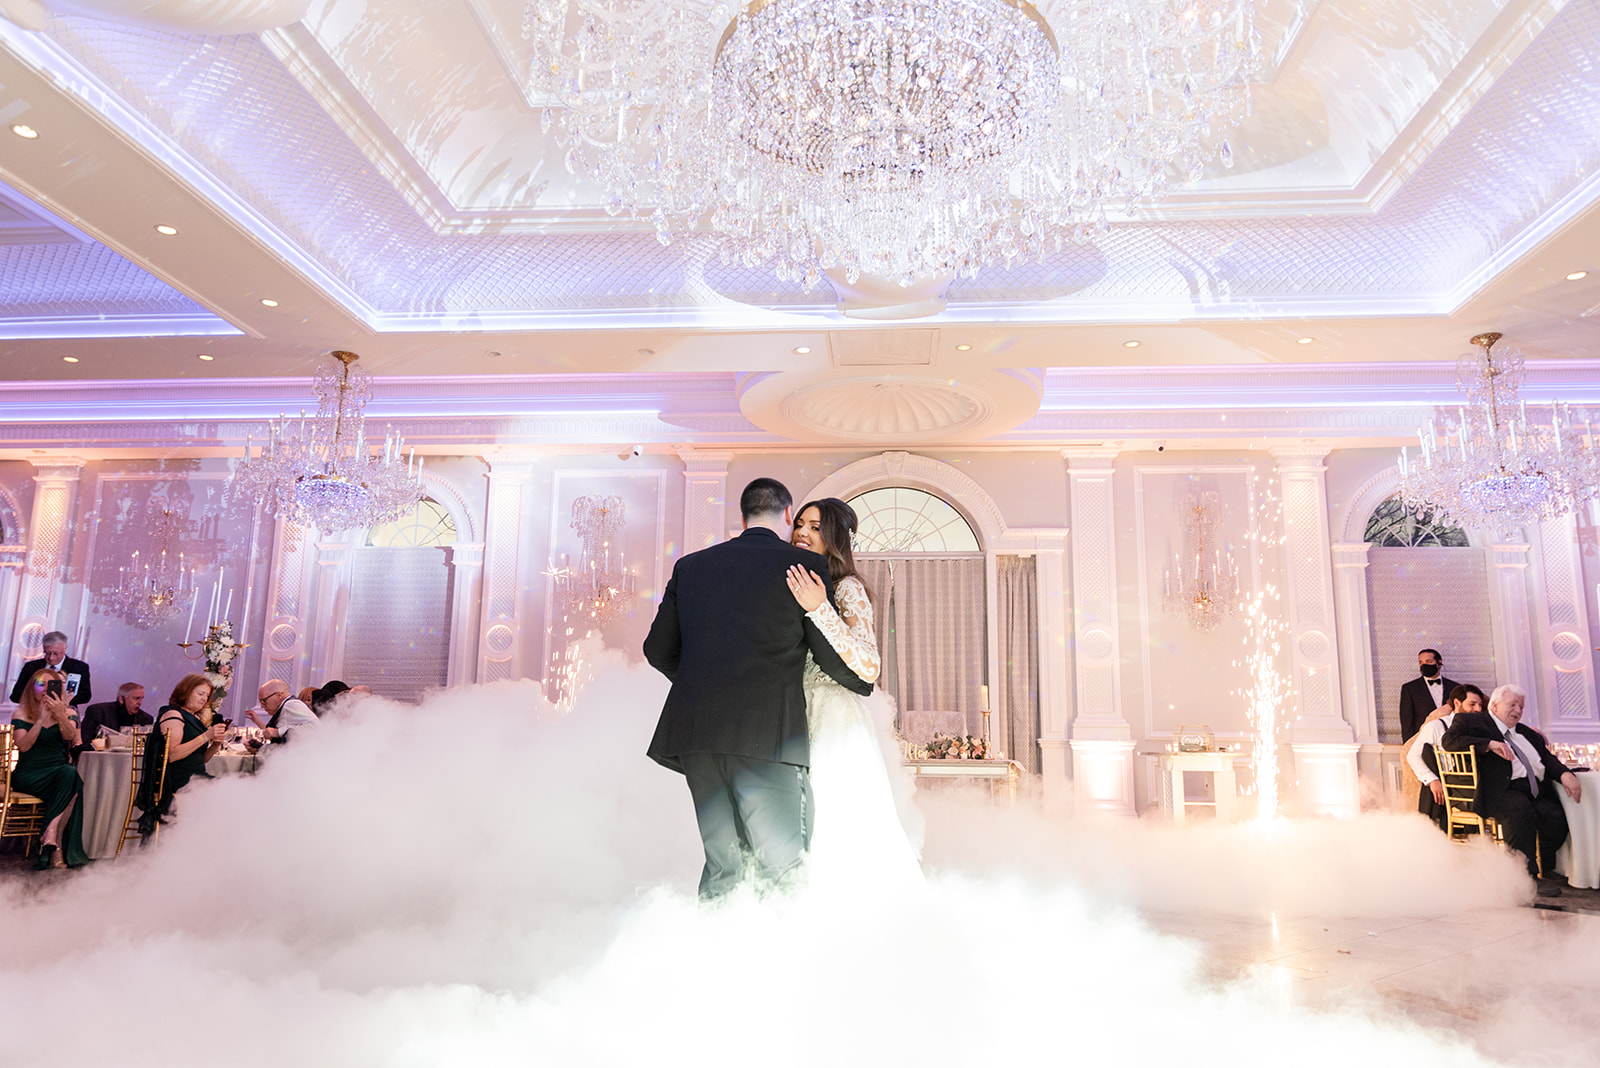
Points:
(733, 640)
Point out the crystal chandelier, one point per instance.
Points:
(1202, 583)
(892, 138)
(600, 585)
(322, 471)
(152, 590)
(1491, 464)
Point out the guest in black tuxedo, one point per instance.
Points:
(1422, 695)
(116, 715)
(1517, 776)
(733, 640)
(55, 658)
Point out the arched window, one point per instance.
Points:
(1396, 525)
(429, 525)
(898, 519)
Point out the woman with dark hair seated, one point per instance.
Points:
(187, 734)
(44, 730)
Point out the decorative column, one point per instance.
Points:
(500, 623)
(330, 606)
(705, 497)
(1567, 672)
(1513, 631)
(55, 494)
(1055, 689)
(1353, 621)
(1101, 739)
(1322, 741)
(465, 561)
(284, 645)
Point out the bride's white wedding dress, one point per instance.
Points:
(858, 834)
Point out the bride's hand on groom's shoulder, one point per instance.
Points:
(807, 588)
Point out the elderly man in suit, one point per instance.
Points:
(1420, 696)
(56, 659)
(126, 711)
(1517, 777)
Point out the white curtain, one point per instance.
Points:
(931, 629)
(1017, 691)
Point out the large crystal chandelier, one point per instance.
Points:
(1490, 463)
(322, 471)
(600, 584)
(894, 138)
(1201, 583)
(152, 589)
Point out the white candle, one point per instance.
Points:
(226, 611)
(983, 696)
(188, 628)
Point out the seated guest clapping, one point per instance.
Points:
(1419, 754)
(187, 735)
(1517, 777)
(126, 711)
(45, 730)
(284, 714)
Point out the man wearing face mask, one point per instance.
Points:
(1419, 697)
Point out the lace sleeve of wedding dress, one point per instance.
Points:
(851, 637)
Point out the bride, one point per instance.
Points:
(857, 833)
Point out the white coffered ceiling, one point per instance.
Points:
(1415, 171)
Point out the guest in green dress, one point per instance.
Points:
(44, 730)
(187, 734)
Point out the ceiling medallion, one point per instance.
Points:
(887, 409)
(322, 472)
(889, 138)
(1490, 463)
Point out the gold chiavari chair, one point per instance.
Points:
(130, 822)
(1459, 773)
(21, 815)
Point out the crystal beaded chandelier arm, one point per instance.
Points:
(321, 471)
(890, 137)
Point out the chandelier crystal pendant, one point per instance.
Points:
(892, 138)
(322, 472)
(152, 590)
(1202, 583)
(1491, 463)
(600, 585)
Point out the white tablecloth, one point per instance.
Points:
(107, 776)
(1579, 859)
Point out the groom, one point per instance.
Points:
(733, 640)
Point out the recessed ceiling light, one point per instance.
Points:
(269, 302)
(801, 350)
(1304, 340)
(207, 357)
(647, 352)
(1577, 275)
(169, 231)
(491, 353)
(24, 130)
(963, 348)
(69, 359)
(1130, 344)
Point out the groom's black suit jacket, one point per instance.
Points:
(733, 640)
(1475, 730)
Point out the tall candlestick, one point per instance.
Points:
(226, 611)
(983, 696)
(188, 628)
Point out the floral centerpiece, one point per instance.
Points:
(952, 747)
(221, 651)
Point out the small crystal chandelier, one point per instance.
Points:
(1489, 464)
(156, 588)
(1202, 582)
(600, 585)
(322, 472)
(892, 138)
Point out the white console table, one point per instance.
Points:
(1224, 787)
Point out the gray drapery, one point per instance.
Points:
(1017, 690)
(933, 636)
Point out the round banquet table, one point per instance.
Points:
(1579, 859)
(107, 778)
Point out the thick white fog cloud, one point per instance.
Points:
(483, 880)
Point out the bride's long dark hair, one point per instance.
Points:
(837, 525)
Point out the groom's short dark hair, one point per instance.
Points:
(764, 496)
